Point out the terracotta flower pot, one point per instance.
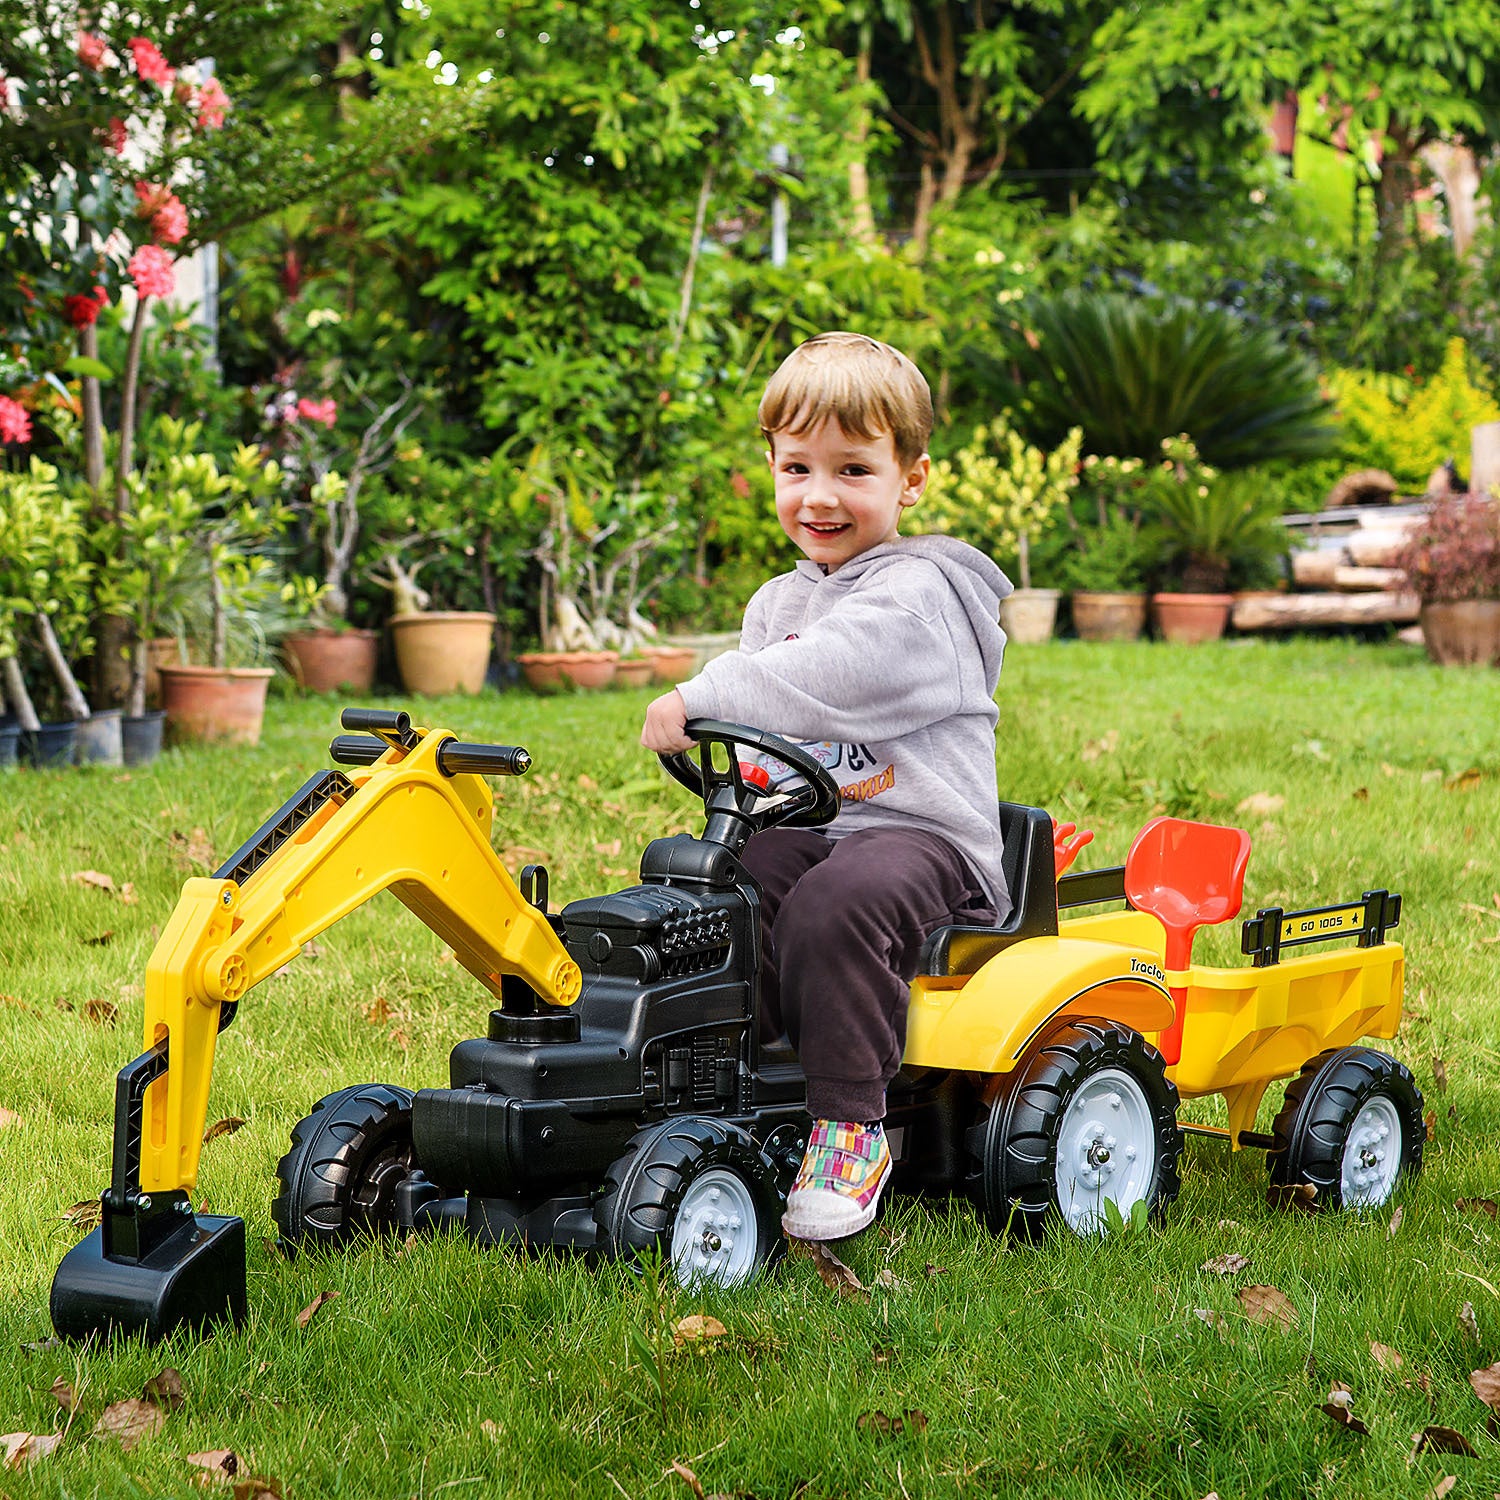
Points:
(443, 651)
(1191, 618)
(225, 704)
(1028, 615)
(1108, 617)
(327, 661)
(542, 670)
(589, 669)
(670, 663)
(635, 672)
(1462, 632)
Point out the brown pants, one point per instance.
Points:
(842, 924)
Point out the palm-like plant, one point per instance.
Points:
(1133, 371)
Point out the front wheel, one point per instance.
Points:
(1088, 1120)
(1350, 1126)
(347, 1158)
(699, 1192)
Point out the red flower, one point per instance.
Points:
(4, 92)
(83, 308)
(15, 422)
(169, 221)
(213, 102)
(117, 135)
(318, 411)
(151, 270)
(150, 65)
(91, 50)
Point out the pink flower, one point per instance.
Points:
(91, 50)
(82, 309)
(117, 135)
(151, 270)
(150, 65)
(319, 411)
(4, 92)
(169, 221)
(213, 102)
(15, 422)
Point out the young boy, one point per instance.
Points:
(881, 653)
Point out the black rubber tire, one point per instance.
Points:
(1311, 1130)
(637, 1208)
(1015, 1146)
(339, 1178)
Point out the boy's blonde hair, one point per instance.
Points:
(869, 388)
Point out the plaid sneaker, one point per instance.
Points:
(839, 1182)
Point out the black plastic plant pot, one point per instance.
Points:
(98, 739)
(140, 736)
(51, 745)
(194, 1278)
(10, 746)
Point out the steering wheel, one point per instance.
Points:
(815, 802)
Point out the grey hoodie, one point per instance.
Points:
(885, 669)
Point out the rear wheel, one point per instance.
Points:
(347, 1158)
(699, 1192)
(1350, 1126)
(1088, 1119)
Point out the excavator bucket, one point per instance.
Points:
(152, 1265)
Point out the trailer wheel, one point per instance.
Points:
(1350, 1126)
(699, 1192)
(347, 1158)
(1089, 1118)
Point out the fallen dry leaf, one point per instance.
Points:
(191, 850)
(165, 1389)
(836, 1276)
(309, 1312)
(378, 1011)
(1262, 804)
(1103, 746)
(22, 1448)
(1468, 1322)
(1478, 1206)
(1361, 794)
(1299, 1195)
(1386, 1357)
(1465, 781)
(1441, 1488)
(1486, 1383)
(257, 1487)
(400, 1038)
(930, 1270)
(85, 1215)
(8, 1117)
(1443, 1440)
(128, 897)
(103, 940)
(130, 1421)
(1339, 1406)
(1213, 1317)
(64, 1394)
(101, 1012)
(1439, 1074)
(1226, 1265)
(697, 1328)
(611, 848)
(887, 1280)
(888, 1426)
(1429, 1121)
(96, 879)
(223, 1127)
(689, 1478)
(1267, 1304)
(221, 1463)
(1395, 1224)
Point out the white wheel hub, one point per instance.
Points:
(1106, 1149)
(1372, 1154)
(716, 1232)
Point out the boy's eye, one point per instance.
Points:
(856, 469)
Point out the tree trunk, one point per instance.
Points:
(77, 704)
(93, 416)
(20, 699)
(1393, 193)
(861, 214)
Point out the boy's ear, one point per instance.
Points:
(915, 481)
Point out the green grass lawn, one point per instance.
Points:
(1113, 1368)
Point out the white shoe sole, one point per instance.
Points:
(817, 1223)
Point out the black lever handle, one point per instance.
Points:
(356, 749)
(484, 760)
(393, 725)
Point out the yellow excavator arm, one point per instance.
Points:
(409, 823)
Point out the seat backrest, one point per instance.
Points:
(1030, 870)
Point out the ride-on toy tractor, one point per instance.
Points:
(622, 1099)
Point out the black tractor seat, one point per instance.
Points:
(1031, 877)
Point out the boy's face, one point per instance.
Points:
(836, 495)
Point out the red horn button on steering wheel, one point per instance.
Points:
(757, 776)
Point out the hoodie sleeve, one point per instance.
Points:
(880, 665)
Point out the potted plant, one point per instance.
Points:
(219, 693)
(1001, 494)
(1210, 525)
(1452, 562)
(1105, 551)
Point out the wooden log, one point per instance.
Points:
(1367, 580)
(1376, 546)
(1290, 611)
(1484, 458)
(1315, 570)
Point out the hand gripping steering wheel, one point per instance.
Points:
(816, 801)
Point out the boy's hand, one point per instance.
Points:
(663, 729)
